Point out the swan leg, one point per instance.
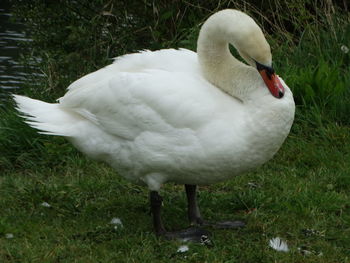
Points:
(192, 234)
(156, 203)
(194, 215)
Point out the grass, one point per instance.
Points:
(305, 187)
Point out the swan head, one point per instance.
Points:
(240, 30)
(251, 44)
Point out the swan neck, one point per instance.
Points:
(218, 66)
(216, 61)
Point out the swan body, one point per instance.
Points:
(176, 115)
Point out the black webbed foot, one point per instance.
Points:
(194, 215)
(192, 234)
(228, 224)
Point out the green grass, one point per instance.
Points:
(305, 187)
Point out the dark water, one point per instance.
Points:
(13, 35)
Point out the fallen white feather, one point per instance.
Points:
(45, 204)
(116, 222)
(9, 235)
(183, 249)
(278, 244)
(345, 49)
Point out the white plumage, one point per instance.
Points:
(175, 115)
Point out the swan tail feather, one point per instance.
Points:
(48, 118)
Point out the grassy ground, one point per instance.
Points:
(302, 195)
(304, 188)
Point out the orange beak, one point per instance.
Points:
(271, 80)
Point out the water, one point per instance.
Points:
(12, 35)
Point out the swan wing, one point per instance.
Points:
(127, 104)
(171, 60)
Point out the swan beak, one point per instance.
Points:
(271, 80)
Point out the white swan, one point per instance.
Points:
(176, 115)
